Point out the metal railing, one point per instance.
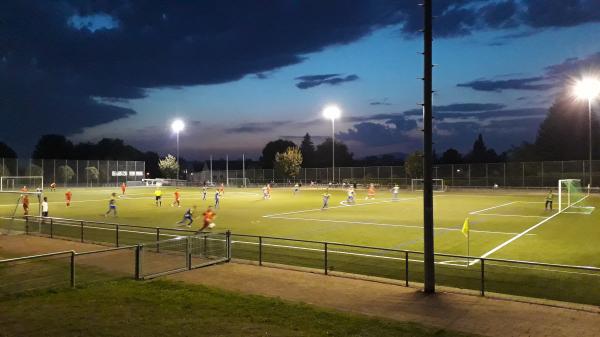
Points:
(164, 250)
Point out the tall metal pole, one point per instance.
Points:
(428, 249)
(590, 137)
(333, 150)
(244, 168)
(177, 156)
(227, 169)
(211, 173)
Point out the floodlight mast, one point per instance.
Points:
(588, 88)
(332, 112)
(428, 249)
(177, 126)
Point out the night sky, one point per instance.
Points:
(241, 73)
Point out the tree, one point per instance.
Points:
(451, 156)
(4, 170)
(65, 172)
(481, 154)
(53, 147)
(563, 134)
(414, 165)
(35, 170)
(168, 166)
(271, 149)
(6, 151)
(92, 174)
(289, 162)
(307, 148)
(343, 157)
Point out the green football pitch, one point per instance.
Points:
(503, 224)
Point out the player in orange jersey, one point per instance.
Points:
(68, 197)
(177, 200)
(123, 188)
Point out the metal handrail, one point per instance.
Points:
(105, 250)
(32, 257)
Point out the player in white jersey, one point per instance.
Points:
(296, 188)
(350, 199)
(204, 192)
(265, 191)
(395, 190)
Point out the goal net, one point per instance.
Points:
(239, 182)
(417, 185)
(18, 210)
(570, 194)
(21, 183)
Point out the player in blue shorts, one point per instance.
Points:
(204, 191)
(217, 199)
(188, 216)
(112, 205)
(326, 197)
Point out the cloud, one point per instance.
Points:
(554, 76)
(311, 81)
(257, 127)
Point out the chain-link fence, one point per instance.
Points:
(75, 173)
(509, 174)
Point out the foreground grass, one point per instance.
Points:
(163, 308)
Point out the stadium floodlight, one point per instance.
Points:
(177, 126)
(332, 112)
(588, 89)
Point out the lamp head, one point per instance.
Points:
(177, 125)
(587, 88)
(332, 112)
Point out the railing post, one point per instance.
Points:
(188, 253)
(26, 225)
(228, 244)
(205, 248)
(51, 228)
(482, 277)
(157, 239)
(260, 250)
(325, 262)
(406, 268)
(72, 283)
(81, 224)
(138, 262)
(117, 236)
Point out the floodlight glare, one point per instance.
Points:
(332, 112)
(587, 88)
(177, 125)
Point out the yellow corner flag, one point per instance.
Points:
(465, 227)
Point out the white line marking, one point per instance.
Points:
(333, 207)
(489, 208)
(509, 241)
(388, 225)
(513, 215)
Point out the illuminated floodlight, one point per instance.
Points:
(587, 88)
(177, 126)
(332, 112)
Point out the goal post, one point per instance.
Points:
(417, 185)
(16, 183)
(239, 182)
(570, 192)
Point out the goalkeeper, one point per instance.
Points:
(548, 205)
(188, 216)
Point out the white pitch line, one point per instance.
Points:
(389, 225)
(509, 241)
(513, 215)
(333, 207)
(493, 207)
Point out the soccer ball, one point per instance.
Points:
(212, 225)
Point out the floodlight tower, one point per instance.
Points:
(588, 88)
(177, 126)
(332, 112)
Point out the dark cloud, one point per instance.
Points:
(256, 127)
(499, 14)
(311, 81)
(554, 76)
(564, 13)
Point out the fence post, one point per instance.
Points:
(188, 253)
(482, 277)
(27, 225)
(325, 258)
(81, 224)
(469, 173)
(138, 262)
(228, 244)
(406, 268)
(51, 228)
(117, 235)
(260, 250)
(205, 249)
(72, 269)
(157, 239)
(504, 175)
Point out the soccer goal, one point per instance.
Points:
(20, 209)
(570, 195)
(417, 185)
(239, 182)
(21, 183)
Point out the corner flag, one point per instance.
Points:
(465, 228)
